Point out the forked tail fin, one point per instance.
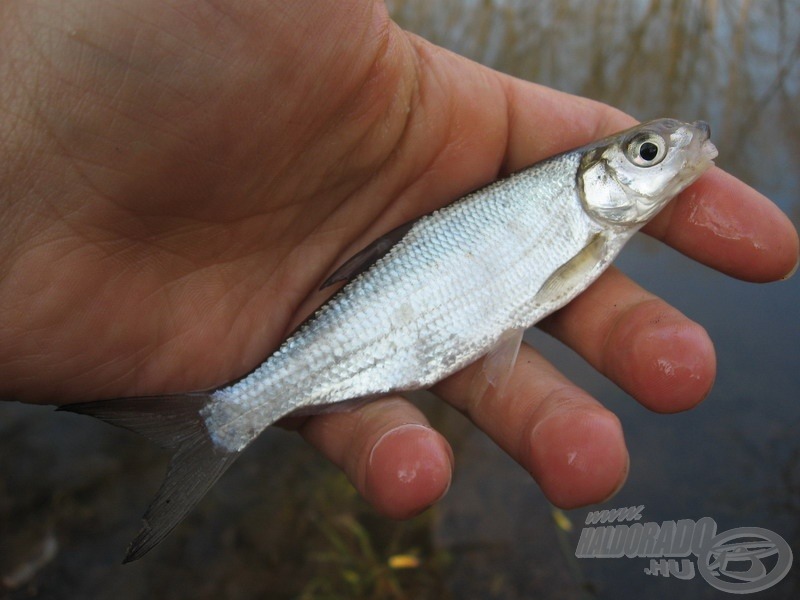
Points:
(174, 423)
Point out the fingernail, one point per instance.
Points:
(405, 479)
(395, 431)
(793, 271)
(622, 481)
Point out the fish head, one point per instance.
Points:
(628, 178)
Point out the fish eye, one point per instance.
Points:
(647, 149)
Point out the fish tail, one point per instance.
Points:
(175, 423)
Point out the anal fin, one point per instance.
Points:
(335, 407)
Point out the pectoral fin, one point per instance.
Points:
(559, 286)
(367, 257)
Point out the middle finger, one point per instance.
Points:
(572, 446)
(645, 346)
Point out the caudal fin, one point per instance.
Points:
(174, 423)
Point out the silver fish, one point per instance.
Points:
(426, 300)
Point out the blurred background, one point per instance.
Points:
(285, 524)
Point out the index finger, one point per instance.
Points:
(719, 221)
(727, 225)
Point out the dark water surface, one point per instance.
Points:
(283, 524)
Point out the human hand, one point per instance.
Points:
(178, 178)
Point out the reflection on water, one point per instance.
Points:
(733, 63)
(282, 524)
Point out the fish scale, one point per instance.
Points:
(425, 273)
(426, 300)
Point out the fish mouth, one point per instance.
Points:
(703, 132)
(699, 156)
(709, 151)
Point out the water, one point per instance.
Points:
(736, 458)
(284, 524)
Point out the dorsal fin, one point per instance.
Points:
(364, 259)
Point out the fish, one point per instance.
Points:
(424, 301)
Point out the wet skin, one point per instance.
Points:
(176, 179)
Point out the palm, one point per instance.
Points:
(191, 215)
(199, 211)
(188, 177)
